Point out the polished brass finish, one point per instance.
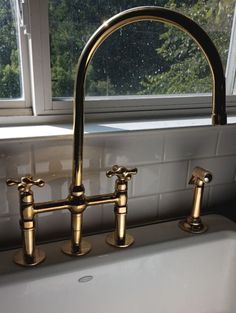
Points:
(193, 223)
(25, 184)
(130, 16)
(76, 246)
(112, 240)
(122, 173)
(73, 250)
(24, 260)
(30, 255)
(77, 202)
(120, 238)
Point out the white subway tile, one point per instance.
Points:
(159, 178)
(172, 176)
(92, 219)
(15, 160)
(9, 204)
(227, 143)
(52, 161)
(222, 168)
(95, 183)
(108, 217)
(42, 194)
(133, 150)
(141, 210)
(147, 181)
(10, 233)
(53, 158)
(53, 225)
(223, 197)
(175, 204)
(179, 203)
(187, 144)
(93, 153)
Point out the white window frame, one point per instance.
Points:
(110, 107)
(231, 61)
(21, 106)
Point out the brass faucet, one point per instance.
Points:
(193, 223)
(77, 201)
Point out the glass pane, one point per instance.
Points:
(10, 72)
(141, 58)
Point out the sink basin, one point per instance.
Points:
(166, 271)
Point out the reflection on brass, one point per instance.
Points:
(76, 246)
(120, 238)
(113, 241)
(30, 255)
(76, 202)
(25, 260)
(145, 13)
(83, 248)
(193, 223)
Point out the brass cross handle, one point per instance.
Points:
(123, 173)
(25, 184)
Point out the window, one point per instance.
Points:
(144, 67)
(11, 77)
(14, 86)
(149, 57)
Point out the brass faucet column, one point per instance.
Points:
(193, 223)
(29, 255)
(76, 246)
(120, 238)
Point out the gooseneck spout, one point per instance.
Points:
(77, 201)
(116, 22)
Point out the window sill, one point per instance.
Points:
(64, 131)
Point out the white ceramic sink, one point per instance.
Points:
(165, 271)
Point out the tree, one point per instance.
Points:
(186, 69)
(122, 60)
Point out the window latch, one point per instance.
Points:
(23, 10)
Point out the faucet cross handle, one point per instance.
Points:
(123, 173)
(25, 183)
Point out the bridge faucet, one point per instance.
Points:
(77, 202)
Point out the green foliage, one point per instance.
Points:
(122, 60)
(186, 70)
(142, 58)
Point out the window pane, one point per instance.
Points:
(10, 72)
(141, 58)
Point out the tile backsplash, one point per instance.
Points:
(165, 159)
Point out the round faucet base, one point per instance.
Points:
(21, 259)
(84, 248)
(193, 225)
(111, 240)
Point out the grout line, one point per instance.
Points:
(158, 205)
(219, 134)
(188, 174)
(163, 147)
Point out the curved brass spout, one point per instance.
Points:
(124, 18)
(77, 201)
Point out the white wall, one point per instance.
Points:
(165, 159)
